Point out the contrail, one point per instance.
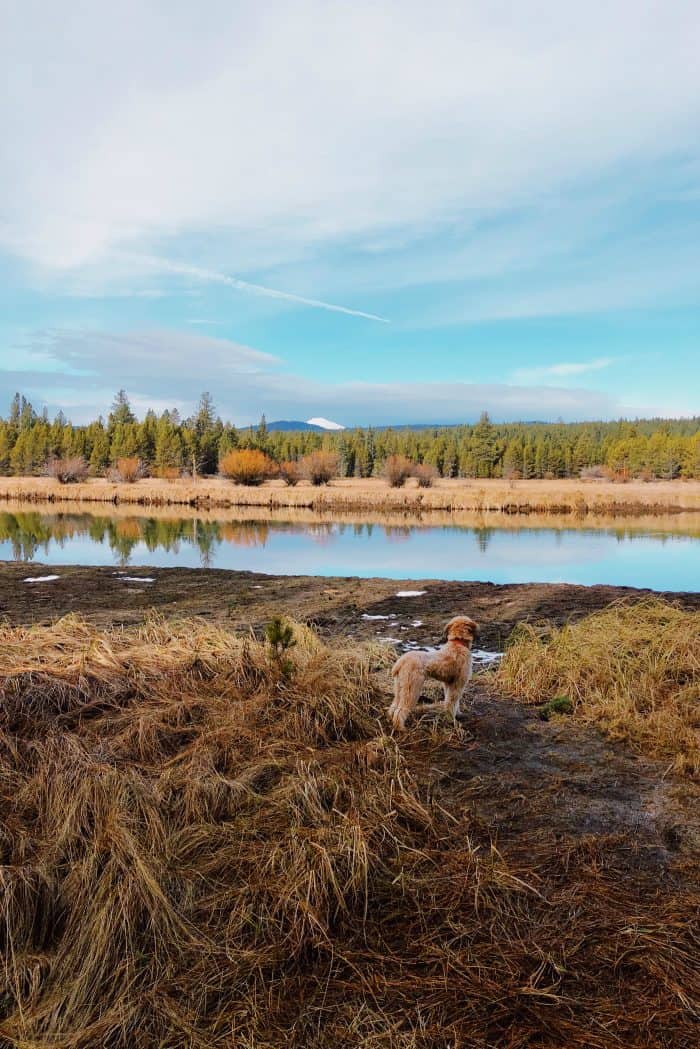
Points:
(256, 289)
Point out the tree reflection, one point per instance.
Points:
(484, 536)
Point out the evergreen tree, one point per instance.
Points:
(483, 447)
(121, 413)
(100, 452)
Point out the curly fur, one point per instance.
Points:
(451, 665)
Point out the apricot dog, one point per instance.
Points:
(451, 665)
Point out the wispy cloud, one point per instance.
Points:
(163, 367)
(563, 370)
(213, 277)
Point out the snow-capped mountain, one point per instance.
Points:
(325, 424)
(317, 425)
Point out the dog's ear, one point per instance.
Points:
(446, 628)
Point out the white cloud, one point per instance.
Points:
(292, 127)
(562, 370)
(163, 368)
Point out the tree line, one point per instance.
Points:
(168, 446)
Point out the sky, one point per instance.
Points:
(384, 212)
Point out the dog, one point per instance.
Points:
(451, 665)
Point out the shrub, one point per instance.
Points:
(169, 473)
(595, 473)
(128, 469)
(290, 472)
(425, 474)
(69, 470)
(319, 467)
(397, 469)
(246, 466)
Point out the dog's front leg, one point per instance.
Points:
(453, 694)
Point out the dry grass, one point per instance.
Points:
(634, 670)
(198, 850)
(509, 497)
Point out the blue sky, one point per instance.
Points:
(391, 212)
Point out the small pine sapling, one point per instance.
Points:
(280, 638)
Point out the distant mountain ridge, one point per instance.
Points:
(297, 424)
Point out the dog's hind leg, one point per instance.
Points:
(407, 686)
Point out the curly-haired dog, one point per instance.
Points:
(451, 665)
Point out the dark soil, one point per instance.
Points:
(335, 606)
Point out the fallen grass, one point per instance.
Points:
(632, 669)
(198, 849)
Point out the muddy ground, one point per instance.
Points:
(335, 606)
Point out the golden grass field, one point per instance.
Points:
(633, 670)
(561, 496)
(202, 846)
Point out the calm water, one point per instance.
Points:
(624, 556)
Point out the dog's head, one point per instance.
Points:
(461, 628)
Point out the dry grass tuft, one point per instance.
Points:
(199, 850)
(633, 669)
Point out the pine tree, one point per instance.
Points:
(483, 446)
(100, 452)
(121, 413)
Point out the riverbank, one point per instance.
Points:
(355, 494)
(204, 843)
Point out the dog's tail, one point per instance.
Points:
(398, 664)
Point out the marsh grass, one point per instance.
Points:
(198, 850)
(632, 669)
(556, 498)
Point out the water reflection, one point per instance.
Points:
(657, 554)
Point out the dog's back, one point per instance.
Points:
(409, 659)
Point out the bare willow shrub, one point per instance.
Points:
(289, 472)
(127, 469)
(70, 470)
(397, 470)
(319, 467)
(246, 466)
(425, 474)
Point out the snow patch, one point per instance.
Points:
(41, 578)
(366, 616)
(137, 579)
(480, 655)
(411, 593)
